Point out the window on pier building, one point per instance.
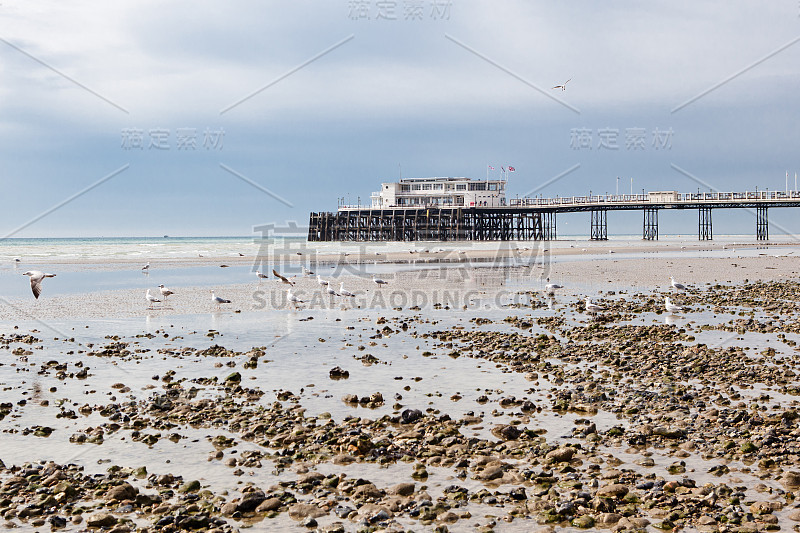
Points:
(461, 187)
(477, 186)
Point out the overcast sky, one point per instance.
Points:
(209, 118)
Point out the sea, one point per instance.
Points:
(91, 264)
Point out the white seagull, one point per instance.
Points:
(379, 281)
(164, 291)
(671, 307)
(330, 290)
(676, 285)
(307, 272)
(261, 276)
(592, 308)
(217, 300)
(321, 281)
(550, 289)
(563, 86)
(37, 276)
(151, 299)
(345, 292)
(146, 268)
(294, 300)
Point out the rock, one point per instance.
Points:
(191, 486)
(126, 491)
(409, 416)
(228, 509)
(584, 522)
(669, 433)
(794, 515)
(507, 432)
(403, 489)
(562, 454)
(490, 472)
(791, 479)
(367, 491)
(301, 511)
(235, 377)
(764, 507)
(606, 520)
(101, 520)
(250, 500)
(270, 504)
(616, 490)
(338, 372)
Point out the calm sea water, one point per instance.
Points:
(145, 249)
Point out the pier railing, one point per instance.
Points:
(678, 198)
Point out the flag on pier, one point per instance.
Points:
(511, 169)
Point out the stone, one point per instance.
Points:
(302, 511)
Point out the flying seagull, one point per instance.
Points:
(284, 279)
(151, 299)
(165, 291)
(146, 268)
(563, 87)
(37, 276)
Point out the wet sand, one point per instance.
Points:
(516, 413)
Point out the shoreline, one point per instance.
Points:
(448, 284)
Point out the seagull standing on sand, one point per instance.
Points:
(151, 299)
(677, 286)
(164, 291)
(307, 272)
(331, 291)
(379, 281)
(345, 292)
(563, 86)
(671, 307)
(217, 300)
(294, 300)
(37, 276)
(593, 308)
(321, 281)
(550, 288)
(260, 276)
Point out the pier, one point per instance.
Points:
(535, 218)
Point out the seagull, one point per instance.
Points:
(217, 300)
(671, 307)
(37, 276)
(592, 308)
(550, 288)
(165, 291)
(146, 268)
(676, 285)
(260, 276)
(379, 281)
(344, 292)
(307, 272)
(321, 281)
(330, 290)
(17, 259)
(563, 86)
(151, 299)
(284, 279)
(294, 300)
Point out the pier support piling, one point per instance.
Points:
(650, 226)
(599, 226)
(704, 228)
(762, 223)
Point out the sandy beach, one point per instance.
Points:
(457, 397)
